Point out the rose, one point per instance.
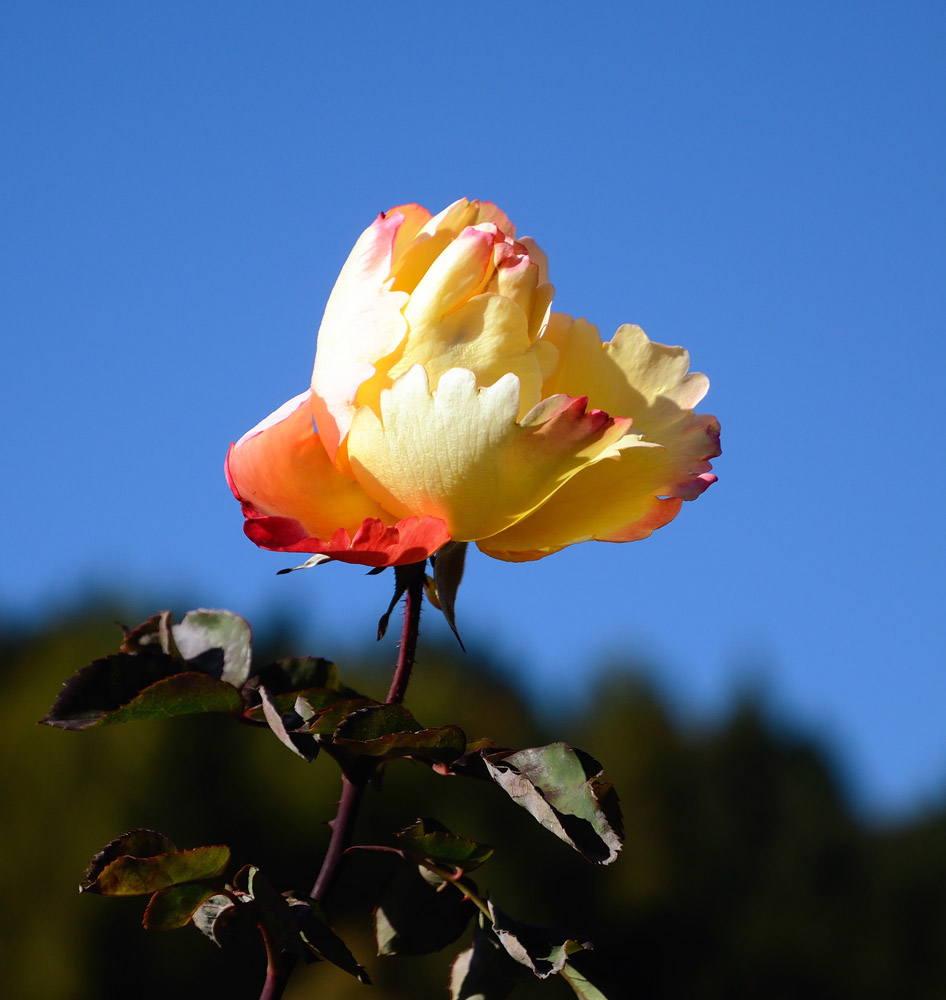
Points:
(450, 404)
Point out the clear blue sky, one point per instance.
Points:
(763, 183)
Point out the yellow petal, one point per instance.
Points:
(413, 259)
(643, 489)
(631, 375)
(459, 454)
(610, 501)
(454, 323)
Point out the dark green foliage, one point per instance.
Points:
(484, 971)
(429, 840)
(744, 872)
(418, 912)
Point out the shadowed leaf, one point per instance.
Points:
(154, 635)
(137, 876)
(301, 744)
(106, 685)
(273, 910)
(162, 670)
(183, 694)
(448, 573)
(391, 731)
(429, 839)
(215, 915)
(203, 631)
(419, 913)
(174, 906)
(294, 925)
(560, 787)
(541, 949)
(323, 942)
(299, 674)
(135, 843)
(583, 989)
(324, 720)
(485, 971)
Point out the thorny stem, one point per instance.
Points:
(342, 826)
(354, 780)
(413, 599)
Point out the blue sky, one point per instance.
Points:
(762, 183)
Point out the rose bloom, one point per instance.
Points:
(448, 403)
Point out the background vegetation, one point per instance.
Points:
(746, 872)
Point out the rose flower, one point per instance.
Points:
(448, 403)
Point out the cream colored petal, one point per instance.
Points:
(487, 335)
(362, 323)
(458, 453)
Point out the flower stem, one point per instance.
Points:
(413, 578)
(356, 775)
(342, 827)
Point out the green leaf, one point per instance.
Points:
(203, 632)
(541, 949)
(137, 843)
(419, 913)
(174, 906)
(448, 565)
(106, 685)
(583, 989)
(430, 840)
(272, 909)
(293, 925)
(188, 693)
(306, 703)
(391, 731)
(149, 679)
(299, 674)
(151, 636)
(215, 915)
(323, 721)
(301, 744)
(560, 787)
(485, 971)
(323, 942)
(138, 876)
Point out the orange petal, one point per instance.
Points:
(280, 469)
